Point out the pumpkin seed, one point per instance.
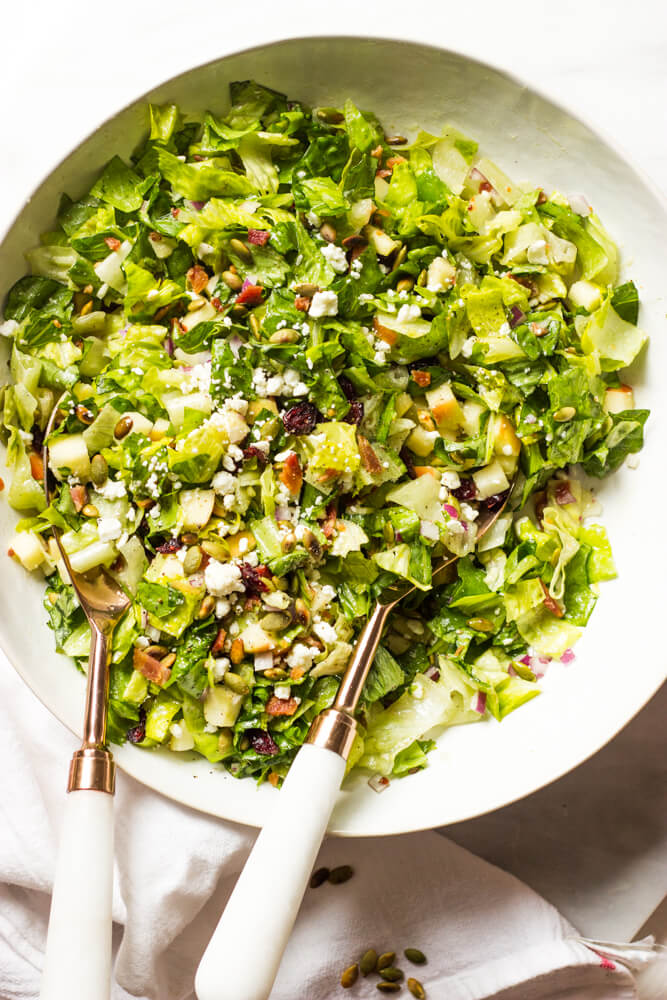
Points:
(349, 977)
(405, 284)
(386, 987)
(238, 310)
(253, 322)
(565, 413)
(156, 650)
(400, 257)
(327, 232)
(168, 660)
(301, 611)
(225, 740)
(319, 876)
(206, 606)
(422, 278)
(388, 533)
(395, 140)
(83, 414)
(276, 600)
(275, 674)
(99, 470)
(237, 651)
(241, 250)
(330, 115)
(233, 281)
(415, 956)
(307, 288)
(188, 538)
(416, 988)
(480, 624)
(385, 960)
(368, 961)
(123, 427)
(341, 874)
(275, 621)
(235, 683)
(192, 560)
(392, 974)
(215, 549)
(312, 544)
(285, 336)
(90, 510)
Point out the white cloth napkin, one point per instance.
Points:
(484, 932)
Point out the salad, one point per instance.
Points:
(293, 360)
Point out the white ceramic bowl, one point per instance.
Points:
(621, 660)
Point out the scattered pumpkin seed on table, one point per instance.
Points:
(368, 961)
(341, 874)
(386, 959)
(319, 876)
(349, 977)
(416, 989)
(415, 956)
(387, 987)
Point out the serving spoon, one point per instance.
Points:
(266, 899)
(77, 963)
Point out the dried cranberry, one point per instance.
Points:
(496, 501)
(253, 452)
(171, 545)
(260, 237)
(37, 437)
(408, 462)
(252, 579)
(563, 493)
(348, 388)
(466, 491)
(138, 733)
(262, 742)
(301, 419)
(356, 412)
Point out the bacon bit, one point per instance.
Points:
(79, 495)
(327, 475)
(302, 303)
(384, 172)
(251, 295)
(216, 303)
(369, 459)
(36, 466)
(281, 706)
(541, 197)
(150, 667)
(11, 553)
(563, 494)
(291, 475)
(197, 278)
(2, 485)
(394, 160)
(112, 243)
(550, 604)
(145, 504)
(486, 186)
(260, 237)
(175, 211)
(384, 333)
(273, 778)
(154, 237)
(329, 525)
(422, 378)
(377, 152)
(219, 643)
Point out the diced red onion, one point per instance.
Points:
(452, 511)
(579, 205)
(282, 513)
(526, 660)
(196, 580)
(516, 316)
(433, 674)
(260, 237)
(235, 344)
(168, 344)
(511, 671)
(567, 656)
(479, 702)
(379, 783)
(263, 661)
(198, 205)
(563, 494)
(246, 284)
(429, 529)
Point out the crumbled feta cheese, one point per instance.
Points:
(109, 528)
(223, 483)
(153, 633)
(8, 328)
(312, 218)
(223, 578)
(441, 275)
(282, 691)
(323, 304)
(222, 607)
(335, 257)
(220, 667)
(468, 512)
(407, 313)
(325, 632)
(467, 347)
(451, 480)
(113, 489)
(301, 656)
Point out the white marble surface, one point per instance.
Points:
(595, 843)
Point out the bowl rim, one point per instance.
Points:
(518, 81)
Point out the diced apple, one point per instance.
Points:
(471, 417)
(197, 507)
(403, 403)
(425, 418)
(422, 441)
(68, 455)
(233, 426)
(177, 405)
(444, 407)
(181, 737)
(617, 400)
(490, 480)
(585, 295)
(159, 429)
(255, 407)
(505, 441)
(256, 640)
(381, 242)
(222, 706)
(441, 275)
(28, 549)
(235, 546)
(205, 313)
(140, 423)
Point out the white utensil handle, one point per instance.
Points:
(77, 964)
(266, 899)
